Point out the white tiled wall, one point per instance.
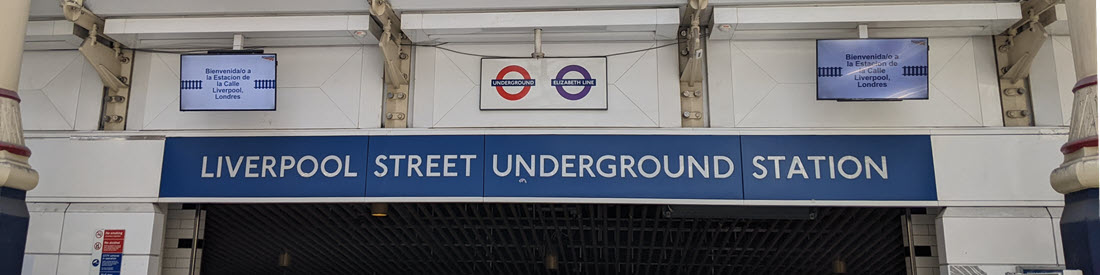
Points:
(318, 87)
(772, 84)
(924, 234)
(181, 225)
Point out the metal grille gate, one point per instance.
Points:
(472, 238)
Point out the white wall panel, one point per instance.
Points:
(143, 222)
(996, 236)
(996, 168)
(446, 88)
(60, 91)
(1052, 79)
(318, 87)
(40, 264)
(61, 243)
(772, 84)
(44, 233)
(1056, 224)
(110, 168)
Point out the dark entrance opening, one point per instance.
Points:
(500, 238)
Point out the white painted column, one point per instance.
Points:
(15, 172)
(1079, 170)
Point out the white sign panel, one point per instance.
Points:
(872, 69)
(544, 83)
(227, 82)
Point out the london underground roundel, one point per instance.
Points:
(500, 82)
(560, 82)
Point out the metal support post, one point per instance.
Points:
(1077, 176)
(691, 48)
(16, 175)
(538, 45)
(110, 60)
(398, 56)
(1015, 49)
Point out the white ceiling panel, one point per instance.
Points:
(841, 21)
(51, 35)
(618, 25)
(49, 9)
(263, 31)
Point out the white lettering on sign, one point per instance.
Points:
(431, 163)
(611, 166)
(849, 167)
(307, 166)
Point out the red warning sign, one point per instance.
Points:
(113, 240)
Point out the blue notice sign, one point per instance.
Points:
(675, 167)
(872, 69)
(838, 168)
(110, 264)
(425, 166)
(264, 167)
(720, 167)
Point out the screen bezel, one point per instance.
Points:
(817, 85)
(275, 93)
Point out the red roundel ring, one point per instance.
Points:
(510, 69)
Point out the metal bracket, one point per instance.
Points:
(113, 63)
(1015, 50)
(691, 49)
(397, 54)
(538, 45)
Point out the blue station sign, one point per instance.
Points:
(721, 167)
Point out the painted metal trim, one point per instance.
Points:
(1075, 145)
(15, 149)
(10, 94)
(1084, 82)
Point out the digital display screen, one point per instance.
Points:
(872, 69)
(227, 82)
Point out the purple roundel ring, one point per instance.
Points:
(583, 92)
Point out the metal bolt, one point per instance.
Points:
(115, 98)
(688, 94)
(1017, 113)
(112, 119)
(124, 79)
(1004, 70)
(400, 95)
(698, 93)
(123, 59)
(693, 115)
(684, 33)
(1014, 91)
(684, 52)
(403, 56)
(389, 95)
